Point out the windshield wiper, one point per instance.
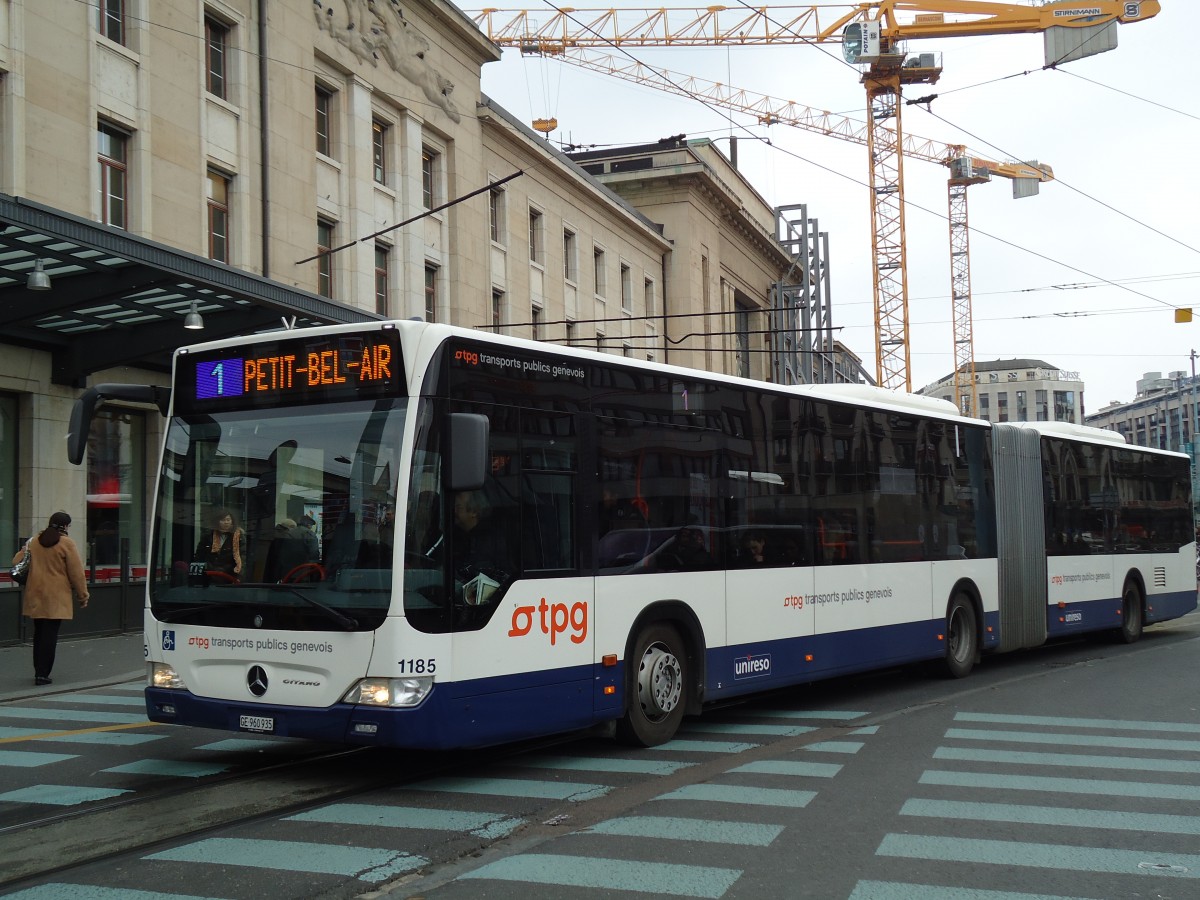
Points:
(175, 614)
(347, 622)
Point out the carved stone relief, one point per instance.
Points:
(376, 29)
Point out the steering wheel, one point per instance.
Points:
(220, 576)
(303, 571)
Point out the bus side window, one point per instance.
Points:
(549, 461)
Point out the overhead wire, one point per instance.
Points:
(942, 216)
(1067, 184)
(742, 127)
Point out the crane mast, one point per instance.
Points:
(965, 169)
(873, 36)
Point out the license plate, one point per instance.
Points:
(256, 723)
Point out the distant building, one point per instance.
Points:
(735, 298)
(1162, 414)
(1019, 390)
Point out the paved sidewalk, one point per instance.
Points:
(79, 663)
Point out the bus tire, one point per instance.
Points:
(1132, 614)
(655, 686)
(962, 637)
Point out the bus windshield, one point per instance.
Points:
(278, 518)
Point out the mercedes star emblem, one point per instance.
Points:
(256, 680)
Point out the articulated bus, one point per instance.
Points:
(451, 539)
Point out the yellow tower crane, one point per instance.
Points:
(965, 169)
(873, 37)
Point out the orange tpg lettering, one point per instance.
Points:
(553, 619)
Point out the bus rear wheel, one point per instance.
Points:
(655, 688)
(1132, 620)
(962, 637)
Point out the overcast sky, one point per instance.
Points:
(1084, 276)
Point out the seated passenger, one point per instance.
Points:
(686, 551)
(753, 551)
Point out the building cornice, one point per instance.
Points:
(564, 168)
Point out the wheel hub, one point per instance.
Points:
(660, 682)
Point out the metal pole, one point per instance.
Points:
(1195, 426)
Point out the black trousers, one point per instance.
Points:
(45, 642)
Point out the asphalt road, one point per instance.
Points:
(1071, 771)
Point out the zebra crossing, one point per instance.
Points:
(50, 748)
(729, 820)
(1018, 806)
(1015, 816)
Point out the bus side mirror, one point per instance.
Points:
(467, 439)
(85, 408)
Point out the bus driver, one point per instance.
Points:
(478, 548)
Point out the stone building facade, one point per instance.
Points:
(1020, 390)
(252, 161)
(1163, 413)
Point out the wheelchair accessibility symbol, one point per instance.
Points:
(168, 640)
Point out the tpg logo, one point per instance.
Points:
(560, 618)
(752, 666)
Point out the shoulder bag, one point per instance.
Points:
(20, 572)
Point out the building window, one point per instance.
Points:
(651, 306)
(600, 278)
(112, 20)
(1064, 406)
(1022, 407)
(497, 309)
(1042, 405)
(218, 217)
(627, 349)
(570, 334)
(741, 318)
(116, 478)
(626, 289)
(1001, 406)
(113, 154)
(535, 322)
(325, 258)
(570, 257)
(216, 37)
(430, 293)
(536, 251)
(496, 214)
(381, 278)
(429, 172)
(600, 340)
(379, 137)
(984, 412)
(324, 108)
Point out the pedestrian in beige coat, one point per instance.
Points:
(55, 573)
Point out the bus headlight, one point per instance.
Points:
(389, 691)
(161, 675)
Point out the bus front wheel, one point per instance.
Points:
(654, 688)
(962, 637)
(1132, 619)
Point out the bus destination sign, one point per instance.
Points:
(295, 370)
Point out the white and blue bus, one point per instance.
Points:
(450, 539)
